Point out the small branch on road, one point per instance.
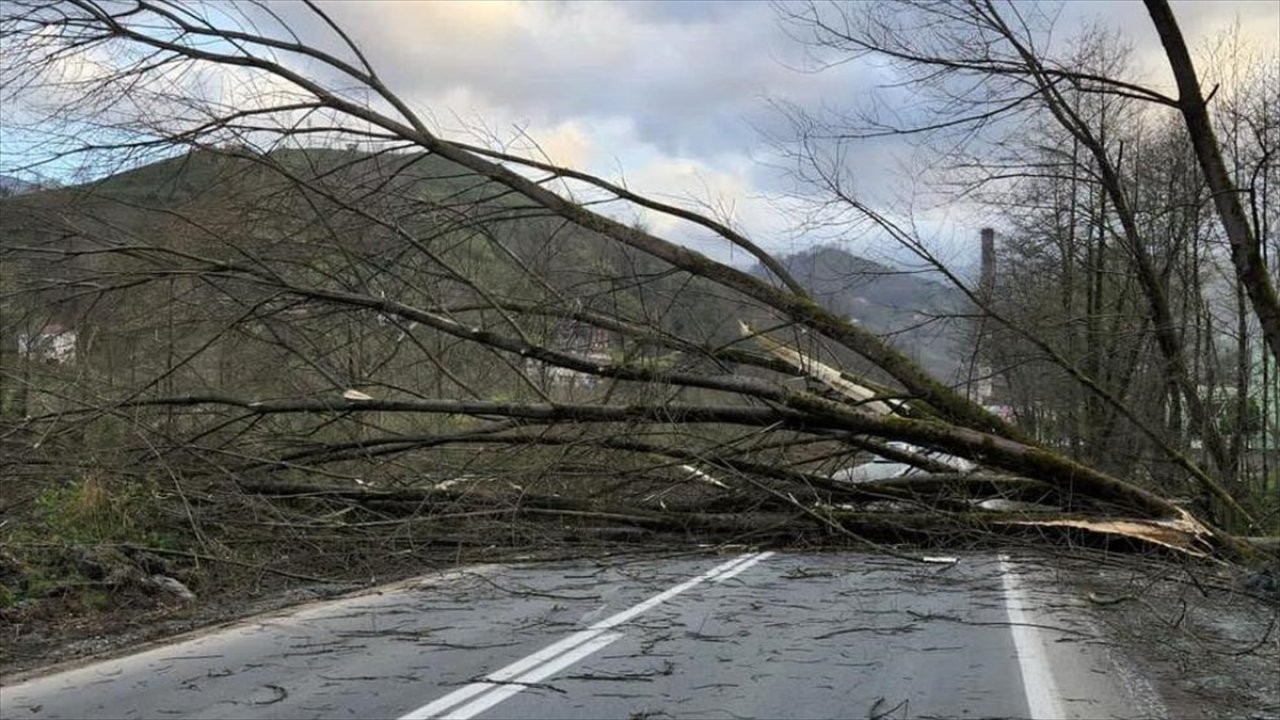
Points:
(528, 593)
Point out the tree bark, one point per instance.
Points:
(1246, 252)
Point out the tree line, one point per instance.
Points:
(310, 293)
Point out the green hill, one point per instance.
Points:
(910, 309)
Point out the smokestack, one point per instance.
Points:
(988, 282)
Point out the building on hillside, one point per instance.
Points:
(588, 343)
(54, 343)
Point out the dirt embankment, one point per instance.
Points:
(108, 598)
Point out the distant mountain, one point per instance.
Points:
(10, 186)
(888, 301)
(894, 303)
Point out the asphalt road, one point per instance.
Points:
(758, 635)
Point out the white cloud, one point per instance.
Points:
(566, 144)
(666, 96)
(663, 95)
(688, 183)
(1203, 23)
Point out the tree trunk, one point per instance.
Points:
(1246, 253)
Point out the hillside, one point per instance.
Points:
(907, 307)
(256, 198)
(411, 227)
(10, 185)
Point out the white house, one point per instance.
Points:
(53, 343)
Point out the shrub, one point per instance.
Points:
(93, 510)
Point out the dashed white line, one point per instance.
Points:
(1033, 661)
(506, 674)
(538, 674)
(625, 615)
(510, 680)
(741, 568)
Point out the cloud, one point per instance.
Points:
(1259, 19)
(688, 182)
(687, 78)
(670, 96)
(566, 144)
(721, 189)
(1203, 24)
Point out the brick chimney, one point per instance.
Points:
(988, 281)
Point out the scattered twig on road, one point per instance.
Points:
(280, 693)
(962, 621)
(877, 714)
(1261, 641)
(529, 593)
(892, 630)
(1097, 599)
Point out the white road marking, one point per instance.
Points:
(561, 654)
(741, 568)
(538, 674)
(1033, 661)
(510, 672)
(625, 615)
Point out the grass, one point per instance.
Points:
(92, 510)
(40, 557)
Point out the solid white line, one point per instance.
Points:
(565, 647)
(536, 675)
(727, 566)
(460, 695)
(741, 568)
(465, 693)
(1033, 661)
(625, 615)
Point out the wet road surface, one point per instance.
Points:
(753, 635)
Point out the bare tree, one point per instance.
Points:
(1016, 118)
(357, 298)
(1246, 248)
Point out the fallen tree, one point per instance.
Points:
(310, 292)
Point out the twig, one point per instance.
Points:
(1262, 641)
(1097, 599)
(877, 714)
(238, 563)
(533, 593)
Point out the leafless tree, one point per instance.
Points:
(1019, 117)
(312, 284)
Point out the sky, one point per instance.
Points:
(677, 99)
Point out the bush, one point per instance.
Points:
(94, 510)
